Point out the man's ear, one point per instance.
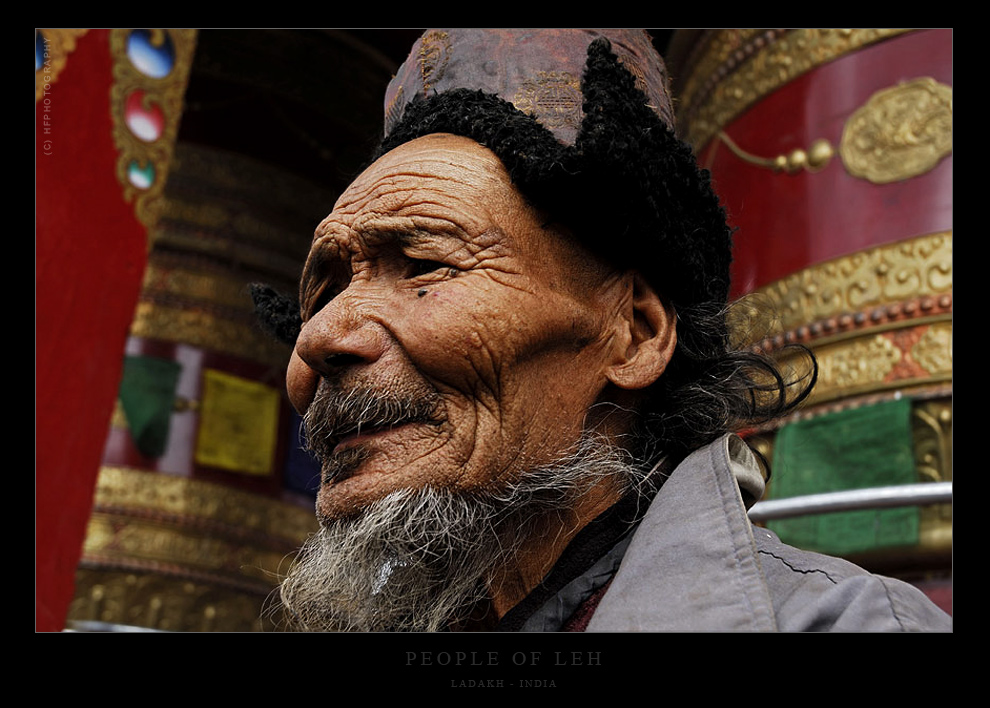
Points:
(647, 339)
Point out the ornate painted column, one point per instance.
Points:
(90, 252)
(831, 150)
(203, 493)
(108, 105)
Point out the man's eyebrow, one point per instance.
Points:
(413, 235)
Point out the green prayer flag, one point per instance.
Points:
(147, 396)
(864, 447)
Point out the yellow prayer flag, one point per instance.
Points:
(238, 424)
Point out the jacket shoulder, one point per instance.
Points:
(814, 592)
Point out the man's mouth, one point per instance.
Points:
(346, 450)
(343, 426)
(359, 434)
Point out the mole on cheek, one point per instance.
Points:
(421, 293)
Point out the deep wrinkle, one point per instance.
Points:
(331, 264)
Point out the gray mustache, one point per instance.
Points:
(336, 413)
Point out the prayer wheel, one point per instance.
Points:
(831, 151)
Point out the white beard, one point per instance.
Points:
(421, 560)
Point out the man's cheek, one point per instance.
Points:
(463, 351)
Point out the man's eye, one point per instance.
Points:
(322, 299)
(419, 267)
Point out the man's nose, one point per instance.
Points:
(340, 336)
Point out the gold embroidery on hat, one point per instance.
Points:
(434, 52)
(394, 110)
(553, 97)
(658, 102)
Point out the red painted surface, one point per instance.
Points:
(940, 593)
(788, 222)
(90, 256)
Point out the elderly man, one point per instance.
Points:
(513, 365)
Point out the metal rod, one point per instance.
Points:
(922, 494)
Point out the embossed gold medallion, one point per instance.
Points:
(899, 133)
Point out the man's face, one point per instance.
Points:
(432, 281)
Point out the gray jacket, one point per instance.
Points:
(695, 563)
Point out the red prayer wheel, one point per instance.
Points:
(831, 151)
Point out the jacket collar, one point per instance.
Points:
(692, 564)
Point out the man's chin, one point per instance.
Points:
(334, 502)
(412, 560)
(395, 552)
(359, 482)
(344, 480)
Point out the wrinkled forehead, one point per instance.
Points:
(450, 189)
(434, 161)
(444, 183)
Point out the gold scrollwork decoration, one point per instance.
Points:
(212, 207)
(200, 504)
(204, 287)
(114, 540)
(931, 425)
(150, 74)
(718, 54)
(857, 365)
(933, 351)
(916, 268)
(162, 603)
(873, 362)
(931, 422)
(206, 555)
(56, 45)
(899, 133)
